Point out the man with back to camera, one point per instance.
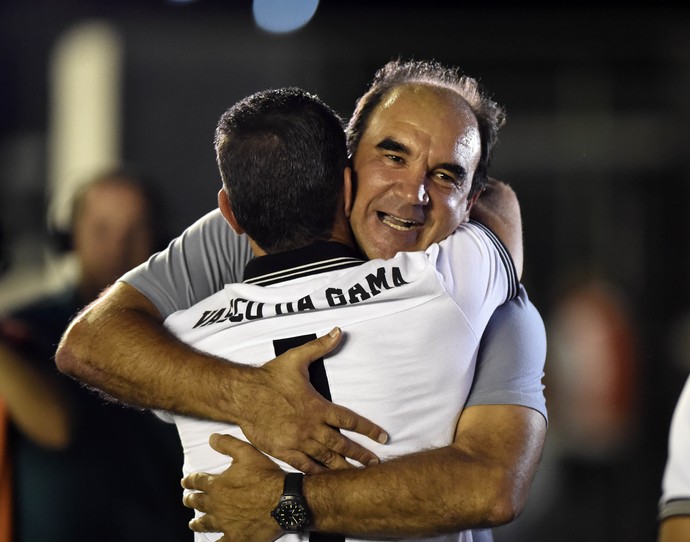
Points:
(504, 402)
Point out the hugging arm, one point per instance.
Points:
(480, 480)
(119, 345)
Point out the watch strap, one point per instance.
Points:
(293, 484)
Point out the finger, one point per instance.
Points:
(203, 524)
(303, 462)
(228, 445)
(317, 348)
(239, 450)
(197, 480)
(196, 501)
(344, 418)
(327, 457)
(314, 457)
(336, 445)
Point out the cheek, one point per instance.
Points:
(372, 179)
(453, 204)
(358, 224)
(451, 212)
(363, 198)
(88, 243)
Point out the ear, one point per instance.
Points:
(226, 211)
(348, 192)
(471, 201)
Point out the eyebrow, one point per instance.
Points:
(455, 169)
(390, 144)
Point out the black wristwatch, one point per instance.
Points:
(292, 513)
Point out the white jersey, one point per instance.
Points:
(208, 255)
(412, 326)
(675, 497)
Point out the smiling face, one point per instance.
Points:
(413, 168)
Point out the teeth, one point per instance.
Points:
(399, 224)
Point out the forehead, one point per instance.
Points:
(112, 198)
(428, 115)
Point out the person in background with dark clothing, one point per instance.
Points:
(64, 440)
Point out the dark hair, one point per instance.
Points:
(490, 116)
(281, 155)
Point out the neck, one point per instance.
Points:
(256, 249)
(341, 233)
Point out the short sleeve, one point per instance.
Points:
(675, 497)
(512, 354)
(199, 262)
(477, 272)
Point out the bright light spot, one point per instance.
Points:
(282, 16)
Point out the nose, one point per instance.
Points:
(412, 187)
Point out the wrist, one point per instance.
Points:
(239, 394)
(292, 512)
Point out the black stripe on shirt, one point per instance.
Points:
(318, 379)
(507, 260)
(304, 271)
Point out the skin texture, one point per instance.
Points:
(479, 481)
(675, 529)
(418, 167)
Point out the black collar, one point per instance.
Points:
(317, 258)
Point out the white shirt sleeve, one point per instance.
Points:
(478, 273)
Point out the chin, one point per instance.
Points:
(384, 249)
(386, 253)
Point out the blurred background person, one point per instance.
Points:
(592, 386)
(595, 396)
(63, 440)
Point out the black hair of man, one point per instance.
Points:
(281, 154)
(490, 116)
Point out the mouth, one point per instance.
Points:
(397, 223)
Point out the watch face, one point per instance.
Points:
(291, 515)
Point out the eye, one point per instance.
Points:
(446, 177)
(395, 158)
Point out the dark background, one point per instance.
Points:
(596, 146)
